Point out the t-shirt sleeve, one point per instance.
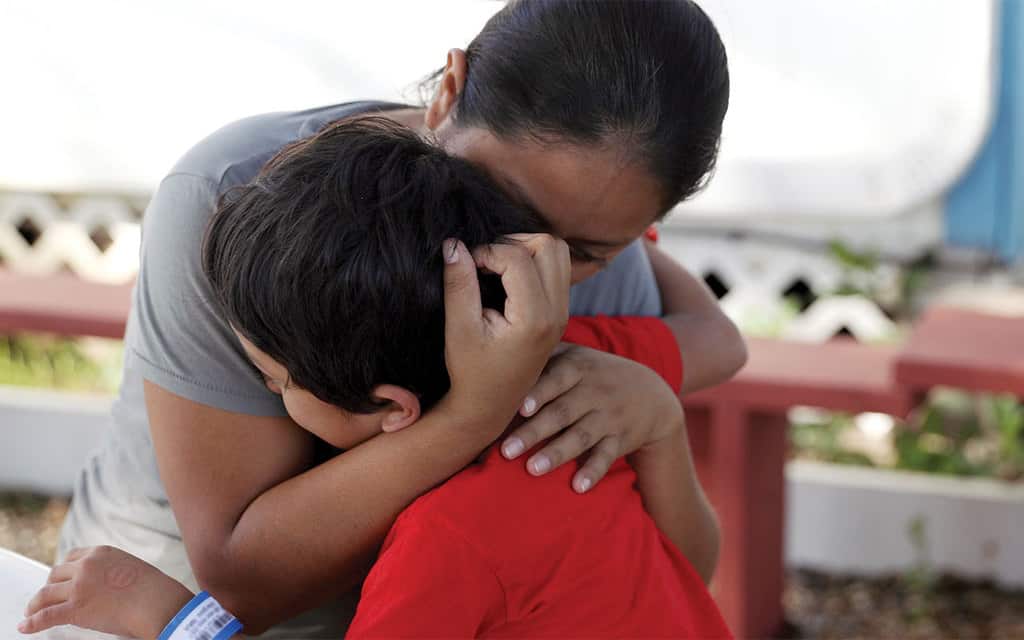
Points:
(428, 582)
(626, 287)
(648, 341)
(175, 335)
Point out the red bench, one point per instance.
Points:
(965, 349)
(64, 304)
(739, 435)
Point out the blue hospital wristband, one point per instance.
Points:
(201, 619)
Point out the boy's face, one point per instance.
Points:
(331, 424)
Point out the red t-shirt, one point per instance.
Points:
(497, 553)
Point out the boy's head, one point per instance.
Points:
(329, 268)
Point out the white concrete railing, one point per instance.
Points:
(46, 436)
(42, 233)
(860, 521)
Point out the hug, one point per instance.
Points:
(422, 355)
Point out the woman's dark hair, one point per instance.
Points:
(330, 261)
(648, 78)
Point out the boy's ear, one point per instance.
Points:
(403, 408)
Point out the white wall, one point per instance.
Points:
(46, 436)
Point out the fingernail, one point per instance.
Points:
(529, 406)
(584, 484)
(512, 448)
(22, 626)
(540, 465)
(451, 251)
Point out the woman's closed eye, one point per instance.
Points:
(580, 254)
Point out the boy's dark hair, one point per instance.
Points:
(648, 77)
(330, 261)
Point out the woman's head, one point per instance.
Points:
(602, 114)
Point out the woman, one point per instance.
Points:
(600, 116)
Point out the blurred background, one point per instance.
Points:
(870, 174)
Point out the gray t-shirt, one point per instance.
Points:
(176, 339)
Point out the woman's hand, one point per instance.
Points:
(495, 357)
(108, 590)
(605, 404)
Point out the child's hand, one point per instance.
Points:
(108, 590)
(494, 357)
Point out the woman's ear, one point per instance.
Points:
(453, 80)
(403, 408)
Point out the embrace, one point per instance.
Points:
(399, 371)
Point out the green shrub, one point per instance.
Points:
(953, 433)
(58, 362)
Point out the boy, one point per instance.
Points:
(353, 335)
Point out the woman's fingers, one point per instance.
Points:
(598, 462)
(554, 266)
(462, 305)
(48, 596)
(525, 302)
(554, 410)
(54, 616)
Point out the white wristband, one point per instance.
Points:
(201, 619)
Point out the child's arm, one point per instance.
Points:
(675, 500)
(666, 477)
(108, 590)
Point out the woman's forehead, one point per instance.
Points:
(588, 194)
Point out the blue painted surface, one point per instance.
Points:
(985, 210)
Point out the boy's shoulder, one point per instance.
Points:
(499, 505)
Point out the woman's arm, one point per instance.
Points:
(269, 541)
(710, 344)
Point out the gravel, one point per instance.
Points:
(818, 606)
(30, 524)
(907, 607)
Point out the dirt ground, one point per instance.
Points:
(818, 606)
(833, 607)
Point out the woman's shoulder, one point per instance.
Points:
(234, 154)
